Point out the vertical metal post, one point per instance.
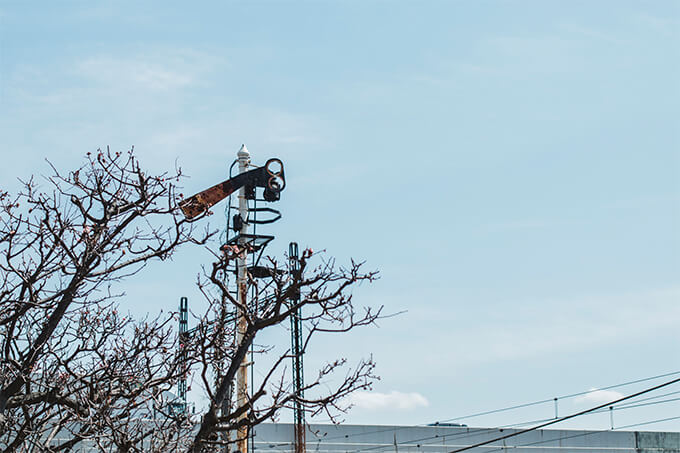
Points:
(242, 282)
(183, 327)
(296, 352)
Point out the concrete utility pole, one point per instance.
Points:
(242, 282)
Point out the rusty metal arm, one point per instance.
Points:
(269, 176)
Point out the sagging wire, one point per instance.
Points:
(473, 432)
(572, 395)
(568, 417)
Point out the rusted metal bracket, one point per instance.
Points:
(271, 177)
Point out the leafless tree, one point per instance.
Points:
(72, 367)
(321, 294)
(76, 370)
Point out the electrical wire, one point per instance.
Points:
(477, 431)
(227, 209)
(599, 411)
(567, 417)
(657, 396)
(634, 425)
(472, 432)
(226, 233)
(387, 446)
(632, 405)
(572, 395)
(648, 423)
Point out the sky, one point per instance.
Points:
(510, 167)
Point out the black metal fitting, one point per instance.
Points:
(237, 222)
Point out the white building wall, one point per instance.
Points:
(278, 438)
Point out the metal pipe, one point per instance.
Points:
(242, 282)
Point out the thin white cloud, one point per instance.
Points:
(392, 400)
(597, 396)
(591, 34)
(120, 99)
(537, 328)
(254, 125)
(521, 224)
(162, 71)
(664, 25)
(275, 126)
(153, 80)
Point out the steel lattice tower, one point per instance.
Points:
(296, 352)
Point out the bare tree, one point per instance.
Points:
(70, 362)
(74, 369)
(322, 295)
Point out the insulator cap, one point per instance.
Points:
(243, 153)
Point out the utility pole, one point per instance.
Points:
(271, 179)
(296, 349)
(179, 406)
(242, 284)
(183, 328)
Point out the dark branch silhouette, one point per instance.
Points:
(75, 370)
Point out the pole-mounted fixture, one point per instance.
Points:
(270, 177)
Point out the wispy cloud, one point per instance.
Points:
(392, 400)
(135, 73)
(591, 34)
(152, 74)
(597, 396)
(522, 224)
(255, 125)
(120, 98)
(549, 327)
(664, 25)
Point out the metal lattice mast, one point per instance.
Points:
(297, 353)
(183, 327)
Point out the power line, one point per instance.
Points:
(603, 410)
(587, 434)
(649, 423)
(477, 431)
(473, 431)
(572, 395)
(655, 397)
(631, 405)
(567, 417)
(404, 442)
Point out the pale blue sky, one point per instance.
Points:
(511, 167)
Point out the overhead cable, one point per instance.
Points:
(567, 417)
(572, 395)
(473, 432)
(590, 433)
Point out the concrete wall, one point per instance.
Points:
(277, 438)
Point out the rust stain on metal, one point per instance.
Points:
(198, 204)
